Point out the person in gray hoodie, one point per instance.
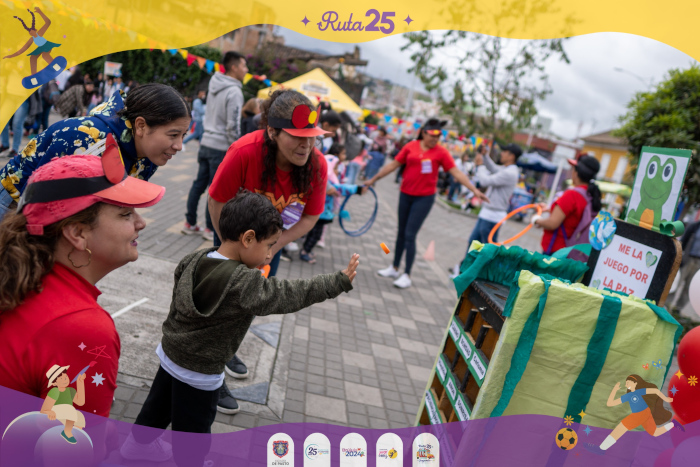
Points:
(222, 126)
(217, 294)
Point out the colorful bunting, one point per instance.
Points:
(210, 66)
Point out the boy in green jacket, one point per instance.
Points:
(217, 294)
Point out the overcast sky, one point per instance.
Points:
(587, 90)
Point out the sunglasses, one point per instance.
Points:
(433, 132)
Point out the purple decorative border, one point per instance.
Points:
(513, 441)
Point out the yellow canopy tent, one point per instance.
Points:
(317, 84)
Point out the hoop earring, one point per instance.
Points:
(82, 265)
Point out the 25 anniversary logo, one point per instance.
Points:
(376, 22)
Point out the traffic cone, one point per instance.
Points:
(429, 254)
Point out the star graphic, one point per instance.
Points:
(679, 374)
(305, 21)
(582, 414)
(673, 390)
(82, 346)
(588, 430)
(99, 351)
(408, 20)
(693, 380)
(568, 420)
(97, 379)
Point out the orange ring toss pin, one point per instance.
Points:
(385, 248)
(510, 214)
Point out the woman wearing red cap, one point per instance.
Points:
(282, 163)
(422, 158)
(567, 211)
(74, 225)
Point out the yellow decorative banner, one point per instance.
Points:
(75, 26)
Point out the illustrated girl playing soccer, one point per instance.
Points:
(43, 46)
(648, 411)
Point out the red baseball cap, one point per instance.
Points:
(69, 184)
(303, 122)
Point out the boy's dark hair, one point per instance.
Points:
(231, 59)
(336, 149)
(249, 211)
(331, 117)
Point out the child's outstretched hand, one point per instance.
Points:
(350, 271)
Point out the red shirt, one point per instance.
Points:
(420, 174)
(573, 204)
(63, 325)
(243, 167)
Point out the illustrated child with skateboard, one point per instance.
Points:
(58, 404)
(648, 411)
(43, 50)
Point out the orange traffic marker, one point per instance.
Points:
(385, 248)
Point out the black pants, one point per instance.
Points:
(188, 409)
(209, 160)
(412, 213)
(315, 234)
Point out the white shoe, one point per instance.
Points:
(291, 247)
(403, 282)
(321, 244)
(157, 451)
(389, 272)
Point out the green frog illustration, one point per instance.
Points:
(657, 185)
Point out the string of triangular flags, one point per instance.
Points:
(210, 65)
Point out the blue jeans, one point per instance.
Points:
(413, 211)
(481, 233)
(351, 173)
(209, 160)
(198, 132)
(454, 188)
(18, 124)
(373, 167)
(5, 201)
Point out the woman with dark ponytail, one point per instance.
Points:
(571, 214)
(646, 403)
(76, 223)
(149, 125)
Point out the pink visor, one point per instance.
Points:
(67, 185)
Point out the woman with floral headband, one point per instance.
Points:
(422, 159)
(149, 125)
(74, 225)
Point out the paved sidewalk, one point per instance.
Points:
(361, 360)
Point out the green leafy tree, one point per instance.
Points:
(264, 62)
(485, 84)
(146, 66)
(668, 117)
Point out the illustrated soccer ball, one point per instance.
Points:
(566, 439)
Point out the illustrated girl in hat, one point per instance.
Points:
(646, 403)
(58, 404)
(44, 46)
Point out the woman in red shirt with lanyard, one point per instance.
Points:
(566, 212)
(421, 159)
(282, 163)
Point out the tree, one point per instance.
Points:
(264, 62)
(154, 66)
(667, 117)
(487, 85)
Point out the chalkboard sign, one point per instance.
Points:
(637, 262)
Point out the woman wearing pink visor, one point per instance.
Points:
(75, 223)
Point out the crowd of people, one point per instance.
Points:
(71, 94)
(273, 171)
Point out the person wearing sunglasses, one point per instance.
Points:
(422, 159)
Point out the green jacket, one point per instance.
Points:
(214, 303)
